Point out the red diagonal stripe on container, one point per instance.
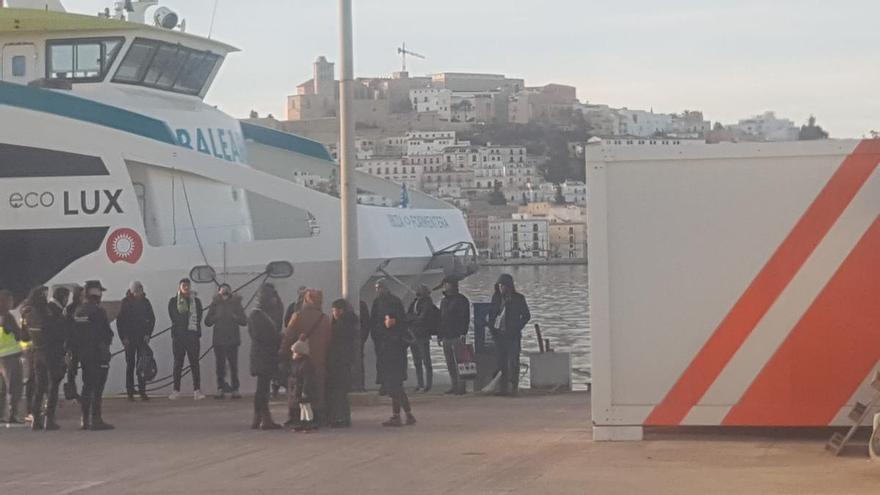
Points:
(773, 278)
(827, 355)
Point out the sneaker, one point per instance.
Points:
(419, 389)
(410, 419)
(394, 422)
(131, 396)
(145, 397)
(174, 395)
(197, 395)
(220, 395)
(235, 395)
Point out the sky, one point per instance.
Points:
(730, 59)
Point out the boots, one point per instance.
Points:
(393, 422)
(36, 421)
(267, 424)
(85, 421)
(50, 424)
(410, 419)
(98, 423)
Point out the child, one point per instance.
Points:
(305, 387)
(397, 341)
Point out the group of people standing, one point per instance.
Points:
(309, 352)
(55, 338)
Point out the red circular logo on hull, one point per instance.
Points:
(125, 245)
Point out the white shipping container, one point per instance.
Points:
(733, 284)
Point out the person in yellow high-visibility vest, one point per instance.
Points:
(10, 360)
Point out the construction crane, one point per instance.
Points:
(403, 52)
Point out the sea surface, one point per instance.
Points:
(558, 300)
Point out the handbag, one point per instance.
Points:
(146, 364)
(465, 360)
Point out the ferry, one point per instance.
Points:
(113, 167)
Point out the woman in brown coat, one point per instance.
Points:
(311, 325)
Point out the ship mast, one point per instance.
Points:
(347, 189)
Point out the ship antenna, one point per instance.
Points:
(213, 16)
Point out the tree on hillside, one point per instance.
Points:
(811, 131)
(497, 198)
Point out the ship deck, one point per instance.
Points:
(462, 445)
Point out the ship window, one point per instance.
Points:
(19, 66)
(83, 60)
(166, 66)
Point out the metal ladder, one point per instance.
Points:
(858, 414)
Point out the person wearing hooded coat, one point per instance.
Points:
(508, 315)
(455, 317)
(311, 325)
(386, 303)
(265, 339)
(135, 324)
(424, 320)
(226, 316)
(340, 360)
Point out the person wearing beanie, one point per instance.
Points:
(304, 385)
(424, 321)
(455, 318)
(185, 311)
(508, 315)
(226, 316)
(134, 325)
(92, 337)
(265, 339)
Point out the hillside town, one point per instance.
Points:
(510, 156)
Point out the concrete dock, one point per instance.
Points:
(462, 445)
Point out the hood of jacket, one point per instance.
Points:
(506, 280)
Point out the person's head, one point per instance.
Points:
(61, 295)
(225, 291)
(77, 295)
(37, 297)
(506, 285)
(339, 308)
(137, 289)
(450, 286)
(184, 287)
(299, 349)
(5, 301)
(313, 298)
(423, 291)
(381, 287)
(94, 291)
(390, 322)
(267, 296)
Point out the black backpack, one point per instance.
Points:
(146, 365)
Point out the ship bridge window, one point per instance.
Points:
(81, 60)
(166, 66)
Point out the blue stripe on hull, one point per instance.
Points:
(285, 141)
(74, 107)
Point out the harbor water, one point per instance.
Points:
(557, 297)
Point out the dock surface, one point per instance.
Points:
(462, 445)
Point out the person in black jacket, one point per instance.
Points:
(455, 317)
(340, 360)
(265, 335)
(275, 309)
(45, 325)
(385, 304)
(424, 320)
(226, 315)
(185, 311)
(71, 360)
(508, 315)
(134, 325)
(396, 341)
(92, 337)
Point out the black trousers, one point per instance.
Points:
(399, 400)
(30, 382)
(48, 374)
(261, 396)
(338, 406)
(224, 354)
(421, 355)
(94, 379)
(186, 346)
(508, 348)
(452, 363)
(11, 374)
(380, 366)
(133, 352)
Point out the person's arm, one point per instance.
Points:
(99, 319)
(172, 311)
(122, 321)
(151, 319)
(199, 315)
(466, 320)
(239, 316)
(212, 314)
(526, 314)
